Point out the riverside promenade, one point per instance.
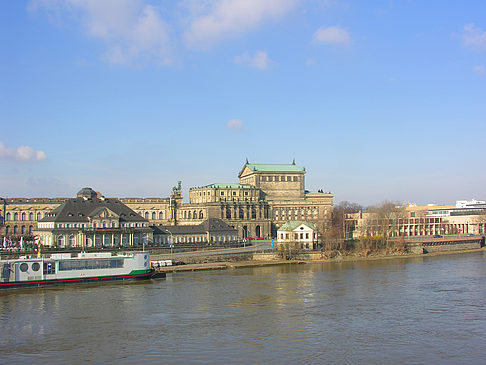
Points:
(262, 255)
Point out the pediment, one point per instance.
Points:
(104, 213)
(245, 171)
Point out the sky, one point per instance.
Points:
(378, 100)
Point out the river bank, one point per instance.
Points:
(232, 264)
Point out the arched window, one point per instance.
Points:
(146, 215)
(258, 231)
(72, 241)
(39, 216)
(154, 216)
(16, 230)
(161, 215)
(194, 214)
(201, 216)
(22, 229)
(189, 215)
(8, 216)
(60, 241)
(23, 216)
(31, 216)
(7, 230)
(30, 229)
(16, 216)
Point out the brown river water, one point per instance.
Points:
(426, 310)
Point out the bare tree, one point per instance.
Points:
(383, 222)
(335, 235)
(338, 224)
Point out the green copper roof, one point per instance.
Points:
(227, 186)
(275, 167)
(290, 226)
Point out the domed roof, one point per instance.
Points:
(87, 193)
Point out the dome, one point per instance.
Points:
(87, 193)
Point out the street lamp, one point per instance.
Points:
(171, 244)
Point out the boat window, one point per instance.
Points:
(23, 267)
(90, 264)
(35, 266)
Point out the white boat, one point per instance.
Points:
(60, 269)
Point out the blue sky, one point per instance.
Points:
(378, 100)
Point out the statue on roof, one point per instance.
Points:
(178, 187)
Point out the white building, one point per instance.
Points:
(302, 235)
(473, 203)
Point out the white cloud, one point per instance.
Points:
(21, 154)
(331, 35)
(259, 60)
(223, 19)
(474, 37)
(131, 29)
(310, 62)
(235, 124)
(479, 69)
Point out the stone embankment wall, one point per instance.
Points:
(201, 259)
(452, 247)
(302, 256)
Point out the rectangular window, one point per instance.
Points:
(90, 264)
(289, 178)
(49, 268)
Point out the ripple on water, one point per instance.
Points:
(417, 311)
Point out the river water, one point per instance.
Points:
(426, 310)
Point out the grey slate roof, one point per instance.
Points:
(80, 209)
(211, 225)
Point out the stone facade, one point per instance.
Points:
(267, 196)
(19, 216)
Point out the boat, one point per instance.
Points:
(67, 268)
